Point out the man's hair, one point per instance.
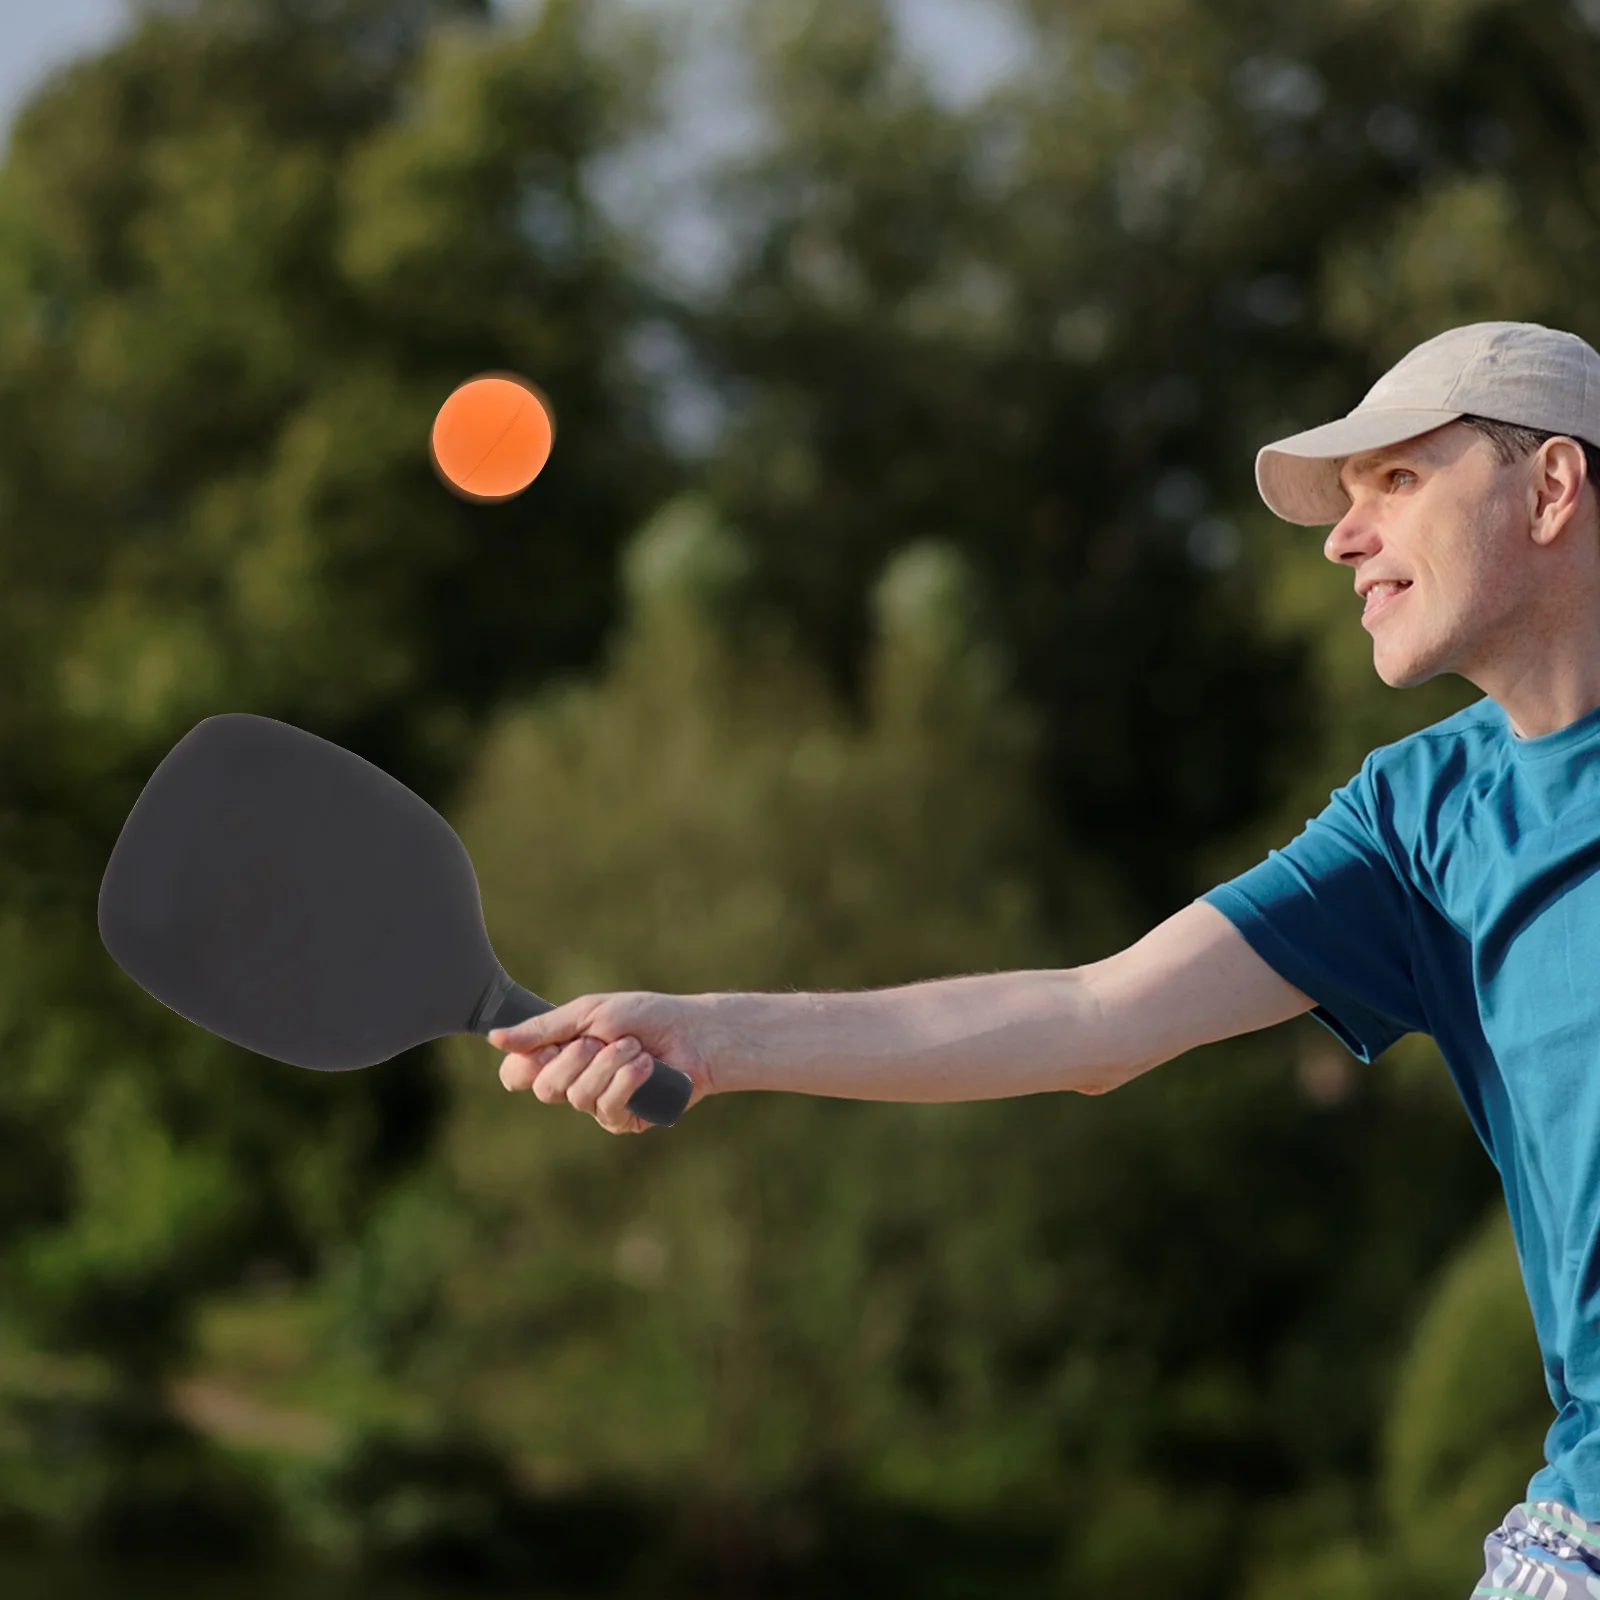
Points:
(1513, 443)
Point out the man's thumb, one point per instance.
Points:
(523, 1036)
(560, 1025)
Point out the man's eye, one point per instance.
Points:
(1395, 474)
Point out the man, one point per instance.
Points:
(1451, 888)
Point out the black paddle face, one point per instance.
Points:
(287, 895)
(291, 897)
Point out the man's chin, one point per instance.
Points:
(1401, 672)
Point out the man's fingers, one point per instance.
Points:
(518, 1072)
(611, 1109)
(553, 1081)
(589, 1074)
(607, 1083)
(548, 1071)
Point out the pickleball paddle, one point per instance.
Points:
(289, 896)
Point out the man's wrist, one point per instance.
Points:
(754, 1041)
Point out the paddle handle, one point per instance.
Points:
(660, 1099)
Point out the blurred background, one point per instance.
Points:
(896, 603)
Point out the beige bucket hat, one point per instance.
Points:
(1517, 372)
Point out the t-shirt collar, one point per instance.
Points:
(1558, 743)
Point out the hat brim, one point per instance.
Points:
(1299, 476)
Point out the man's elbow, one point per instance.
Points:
(1105, 1079)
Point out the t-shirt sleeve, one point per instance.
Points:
(1331, 913)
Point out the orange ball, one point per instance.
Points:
(492, 437)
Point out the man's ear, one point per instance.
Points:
(1555, 487)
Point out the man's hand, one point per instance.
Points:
(594, 1052)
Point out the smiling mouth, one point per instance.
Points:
(1381, 596)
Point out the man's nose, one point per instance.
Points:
(1352, 535)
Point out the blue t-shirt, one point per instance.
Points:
(1453, 888)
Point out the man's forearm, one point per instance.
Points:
(978, 1038)
(1190, 981)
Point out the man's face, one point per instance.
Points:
(1436, 536)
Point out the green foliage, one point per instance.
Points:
(942, 327)
(216, 380)
(1470, 1410)
(706, 813)
(1465, 1433)
(1054, 327)
(118, 1477)
(147, 1214)
(710, 814)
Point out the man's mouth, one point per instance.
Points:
(1383, 595)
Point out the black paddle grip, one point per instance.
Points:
(660, 1099)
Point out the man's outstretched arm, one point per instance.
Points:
(1188, 982)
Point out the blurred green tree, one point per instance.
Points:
(1054, 325)
(1470, 1413)
(244, 254)
(789, 1302)
(1465, 1433)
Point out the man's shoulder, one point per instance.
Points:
(1427, 774)
(1442, 745)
